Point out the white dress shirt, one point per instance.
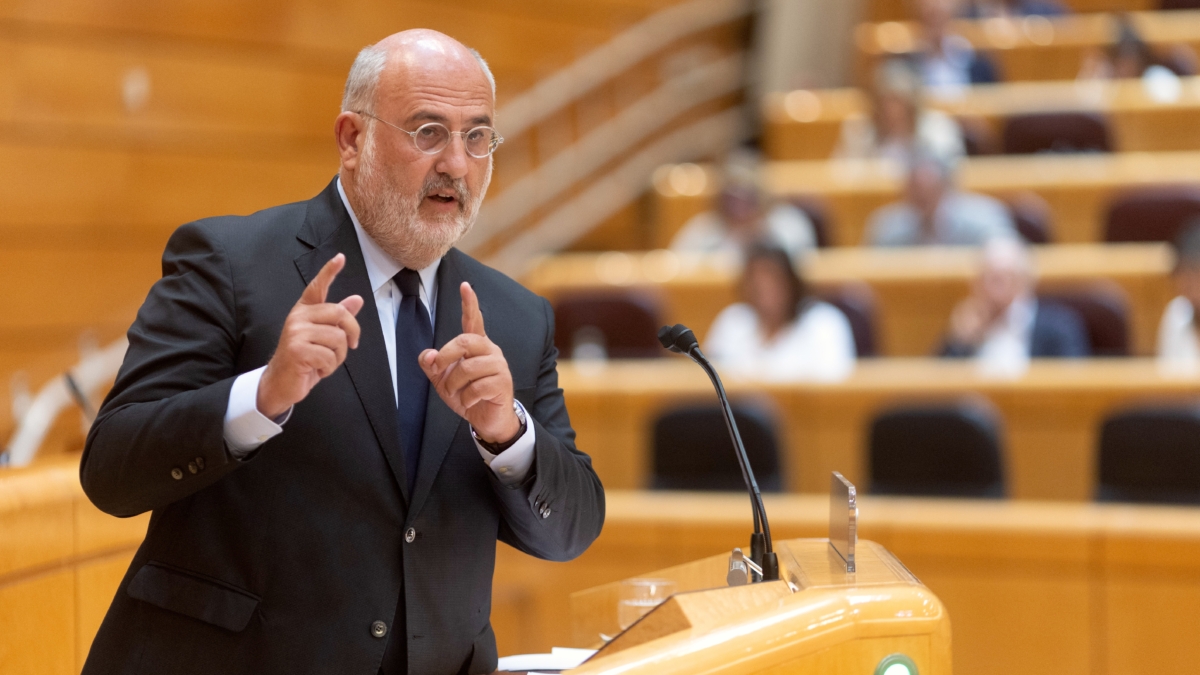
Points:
(818, 345)
(1009, 341)
(246, 428)
(1178, 343)
(786, 226)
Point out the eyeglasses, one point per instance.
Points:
(433, 137)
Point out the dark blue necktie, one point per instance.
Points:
(414, 334)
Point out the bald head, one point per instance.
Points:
(419, 50)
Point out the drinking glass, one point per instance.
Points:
(639, 596)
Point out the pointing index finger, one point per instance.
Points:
(472, 317)
(315, 292)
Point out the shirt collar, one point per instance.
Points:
(380, 266)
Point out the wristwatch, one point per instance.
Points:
(497, 448)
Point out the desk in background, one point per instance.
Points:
(1078, 188)
(916, 289)
(807, 124)
(1051, 415)
(1035, 48)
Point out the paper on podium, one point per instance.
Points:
(560, 658)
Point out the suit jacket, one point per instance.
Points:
(284, 561)
(1058, 332)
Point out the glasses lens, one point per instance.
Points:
(479, 141)
(431, 137)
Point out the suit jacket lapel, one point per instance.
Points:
(329, 229)
(441, 423)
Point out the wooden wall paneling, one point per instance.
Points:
(38, 615)
(1151, 593)
(317, 31)
(167, 97)
(60, 563)
(108, 195)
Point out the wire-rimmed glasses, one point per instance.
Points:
(433, 137)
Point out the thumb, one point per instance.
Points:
(352, 303)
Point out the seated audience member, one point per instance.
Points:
(1132, 57)
(779, 331)
(935, 212)
(899, 122)
(947, 60)
(1178, 342)
(745, 215)
(1003, 322)
(1007, 9)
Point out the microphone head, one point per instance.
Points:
(678, 338)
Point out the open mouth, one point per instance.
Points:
(443, 196)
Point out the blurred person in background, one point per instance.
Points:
(899, 121)
(1132, 57)
(1178, 342)
(935, 212)
(948, 61)
(745, 215)
(780, 331)
(1003, 322)
(1007, 9)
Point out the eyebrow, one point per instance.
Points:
(428, 116)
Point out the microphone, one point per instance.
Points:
(681, 340)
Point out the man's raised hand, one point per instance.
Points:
(472, 377)
(315, 339)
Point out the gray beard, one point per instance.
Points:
(393, 221)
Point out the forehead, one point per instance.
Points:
(425, 86)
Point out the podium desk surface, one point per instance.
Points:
(1031, 587)
(818, 617)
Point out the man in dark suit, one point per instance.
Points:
(314, 518)
(1003, 322)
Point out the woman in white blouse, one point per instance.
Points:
(779, 331)
(1178, 342)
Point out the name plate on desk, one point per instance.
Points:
(843, 519)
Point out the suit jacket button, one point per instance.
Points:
(378, 629)
(546, 513)
(200, 463)
(410, 536)
(177, 473)
(193, 468)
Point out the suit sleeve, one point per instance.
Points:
(559, 510)
(159, 435)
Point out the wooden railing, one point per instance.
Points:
(584, 142)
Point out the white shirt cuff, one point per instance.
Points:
(514, 464)
(245, 427)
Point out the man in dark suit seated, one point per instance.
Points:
(315, 518)
(1003, 322)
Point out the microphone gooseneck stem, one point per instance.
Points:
(756, 503)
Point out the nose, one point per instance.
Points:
(453, 160)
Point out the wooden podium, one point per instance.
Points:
(817, 619)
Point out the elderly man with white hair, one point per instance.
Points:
(334, 415)
(1004, 322)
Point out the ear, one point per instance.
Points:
(349, 129)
